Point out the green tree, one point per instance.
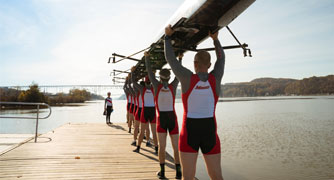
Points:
(33, 94)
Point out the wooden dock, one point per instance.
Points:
(83, 151)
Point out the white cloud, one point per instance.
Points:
(76, 38)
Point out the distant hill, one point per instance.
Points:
(273, 80)
(275, 87)
(312, 85)
(280, 86)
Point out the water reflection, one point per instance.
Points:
(269, 139)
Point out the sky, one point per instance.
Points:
(59, 42)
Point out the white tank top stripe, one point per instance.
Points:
(148, 98)
(165, 99)
(200, 101)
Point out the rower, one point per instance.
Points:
(200, 92)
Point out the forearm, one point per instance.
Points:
(135, 83)
(219, 67)
(175, 83)
(180, 72)
(150, 73)
(218, 70)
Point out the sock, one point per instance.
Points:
(162, 167)
(162, 170)
(178, 170)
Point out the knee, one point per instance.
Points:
(162, 147)
(215, 175)
(187, 176)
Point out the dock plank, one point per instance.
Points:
(83, 151)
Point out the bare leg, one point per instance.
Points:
(188, 165)
(162, 147)
(135, 133)
(147, 130)
(143, 127)
(130, 120)
(175, 143)
(127, 117)
(133, 121)
(154, 133)
(213, 166)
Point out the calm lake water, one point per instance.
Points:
(276, 138)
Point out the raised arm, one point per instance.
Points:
(175, 82)
(218, 70)
(182, 73)
(125, 88)
(150, 73)
(135, 83)
(132, 91)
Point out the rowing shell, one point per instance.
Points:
(192, 23)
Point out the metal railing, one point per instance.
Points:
(26, 117)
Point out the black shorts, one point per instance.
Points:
(128, 107)
(167, 121)
(201, 133)
(109, 110)
(138, 114)
(135, 109)
(132, 106)
(149, 115)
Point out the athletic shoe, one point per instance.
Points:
(137, 149)
(178, 175)
(134, 143)
(161, 175)
(148, 144)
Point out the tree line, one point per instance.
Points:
(279, 86)
(33, 94)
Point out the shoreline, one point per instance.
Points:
(178, 100)
(22, 107)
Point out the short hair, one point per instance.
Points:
(203, 57)
(142, 83)
(164, 74)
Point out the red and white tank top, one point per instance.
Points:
(200, 100)
(140, 101)
(165, 98)
(148, 98)
(128, 98)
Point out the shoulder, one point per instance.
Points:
(212, 77)
(194, 77)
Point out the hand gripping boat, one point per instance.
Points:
(191, 23)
